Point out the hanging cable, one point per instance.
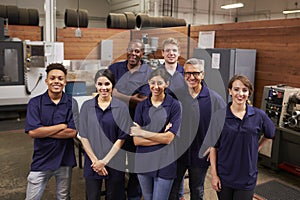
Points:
(26, 81)
(77, 13)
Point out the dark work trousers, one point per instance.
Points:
(134, 191)
(227, 193)
(114, 187)
(196, 181)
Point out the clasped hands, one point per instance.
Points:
(99, 167)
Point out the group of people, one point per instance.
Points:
(154, 123)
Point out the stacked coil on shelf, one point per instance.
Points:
(130, 17)
(116, 20)
(76, 18)
(124, 20)
(144, 20)
(129, 20)
(19, 16)
(33, 17)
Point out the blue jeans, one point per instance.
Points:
(196, 182)
(181, 189)
(37, 182)
(155, 188)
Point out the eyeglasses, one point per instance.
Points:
(195, 74)
(134, 50)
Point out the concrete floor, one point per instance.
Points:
(15, 157)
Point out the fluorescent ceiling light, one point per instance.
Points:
(231, 6)
(290, 11)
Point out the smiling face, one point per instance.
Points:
(56, 81)
(239, 92)
(135, 53)
(170, 53)
(104, 87)
(157, 86)
(193, 76)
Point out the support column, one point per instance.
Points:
(50, 20)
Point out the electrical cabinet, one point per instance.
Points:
(221, 64)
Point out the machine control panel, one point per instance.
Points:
(34, 54)
(274, 104)
(282, 104)
(292, 117)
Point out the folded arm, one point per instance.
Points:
(55, 131)
(148, 138)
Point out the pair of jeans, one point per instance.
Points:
(155, 188)
(196, 181)
(181, 189)
(37, 182)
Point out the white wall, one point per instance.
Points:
(120, 6)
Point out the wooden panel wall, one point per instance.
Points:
(278, 49)
(33, 33)
(88, 46)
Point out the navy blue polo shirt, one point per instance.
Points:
(238, 147)
(103, 128)
(51, 153)
(176, 82)
(179, 68)
(197, 113)
(158, 160)
(131, 83)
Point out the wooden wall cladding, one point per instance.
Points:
(88, 46)
(277, 43)
(33, 33)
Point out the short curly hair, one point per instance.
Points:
(57, 66)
